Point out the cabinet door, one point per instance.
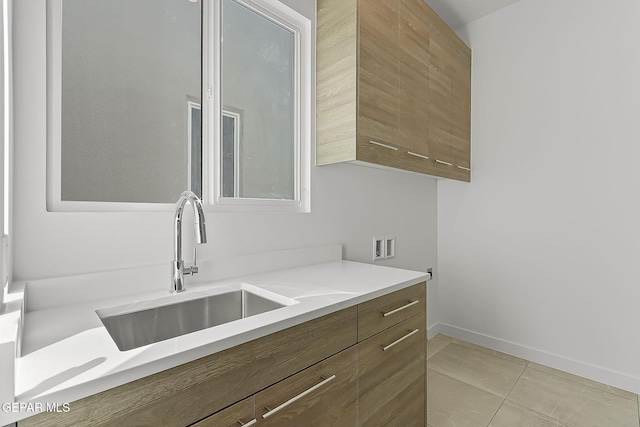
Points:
(461, 114)
(413, 94)
(240, 414)
(449, 108)
(391, 376)
(440, 102)
(378, 77)
(322, 395)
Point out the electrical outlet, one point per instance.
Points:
(384, 248)
(430, 273)
(378, 249)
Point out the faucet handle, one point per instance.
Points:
(190, 271)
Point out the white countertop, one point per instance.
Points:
(68, 354)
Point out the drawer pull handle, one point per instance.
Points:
(444, 163)
(464, 169)
(383, 145)
(389, 313)
(298, 397)
(417, 155)
(387, 347)
(249, 424)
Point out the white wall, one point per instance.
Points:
(350, 204)
(2, 123)
(539, 255)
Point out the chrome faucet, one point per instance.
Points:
(178, 270)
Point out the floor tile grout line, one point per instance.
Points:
(443, 347)
(560, 423)
(528, 365)
(499, 355)
(490, 355)
(546, 416)
(505, 398)
(583, 384)
(572, 378)
(496, 413)
(484, 354)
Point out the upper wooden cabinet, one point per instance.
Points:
(393, 88)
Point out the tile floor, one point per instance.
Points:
(473, 386)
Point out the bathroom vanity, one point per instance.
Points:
(347, 347)
(370, 356)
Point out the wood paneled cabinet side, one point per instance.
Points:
(383, 94)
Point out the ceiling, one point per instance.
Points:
(459, 12)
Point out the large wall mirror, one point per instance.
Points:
(129, 128)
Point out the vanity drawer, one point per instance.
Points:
(240, 414)
(323, 395)
(391, 376)
(381, 313)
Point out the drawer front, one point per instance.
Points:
(322, 395)
(391, 376)
(381, 313)
(240, 414)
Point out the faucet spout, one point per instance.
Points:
(178, 270)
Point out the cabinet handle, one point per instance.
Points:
(444, 163)
(298, 397)
(417, 155)
(464, 169)
(249, 424)
(387, 347)
(383, 145)
(389, 313)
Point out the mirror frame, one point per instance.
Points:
(277, 12)
(300, 26)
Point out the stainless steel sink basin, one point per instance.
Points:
(137, 328)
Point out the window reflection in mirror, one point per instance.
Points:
(128, 71)
(127, 129)
(259, 102)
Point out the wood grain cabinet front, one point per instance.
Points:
(381, 313)
(391, 376)
(238, 415)
(323, 395)
(378, 75)
(383, 95)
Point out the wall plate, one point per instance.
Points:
(378, 249)
(389, 247)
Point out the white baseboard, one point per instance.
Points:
(597, 373)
